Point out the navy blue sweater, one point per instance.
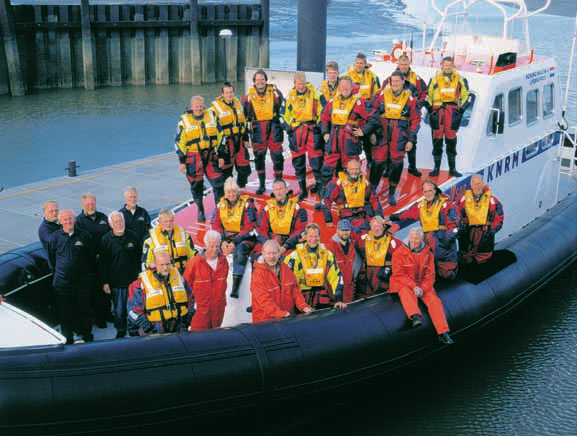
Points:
(97, 226)
(45, 230)
(119, 259)
(73, 259)
(139, 223)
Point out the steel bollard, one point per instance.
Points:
(71, 169)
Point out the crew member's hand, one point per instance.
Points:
(340, 305)
(227, 248)
(308, 309)
(106, 288)
(282, 250)
(373, 139)
(418, 292)
(221, 163)
(409, 146)
(326, 137)
(182, 168)
(357, 132)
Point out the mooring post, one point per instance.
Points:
(17, 88)
(87, 45)
(195, 44)
(312, 35)
(264, 54)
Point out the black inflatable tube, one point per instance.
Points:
(144, 380)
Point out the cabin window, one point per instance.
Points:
(494, 115)
(548, 100)
(532, 104)
(515, 106)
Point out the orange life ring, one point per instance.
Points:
(398, 50)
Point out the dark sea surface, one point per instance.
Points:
(518, 377)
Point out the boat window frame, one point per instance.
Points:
(489, 127)
(532, 121)
(468, 114)
(551, 86)
(517, 121)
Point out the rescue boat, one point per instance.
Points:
(515, 134)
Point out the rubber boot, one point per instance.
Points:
(392, 201)
(319, 205)
(261, 184)
(278, 177)
(315, 188)
(413, 165)
(303, 190)
(387, 169)
(235, 285)
(200, 216)
(437, 168)
(452, 170)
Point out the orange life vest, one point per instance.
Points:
(376, 249)
(231, 217)
(430, 215)
(477, 211)
(263, 104)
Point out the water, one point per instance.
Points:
(516, 378)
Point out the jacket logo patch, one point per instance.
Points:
(78, 243)
(130, 245)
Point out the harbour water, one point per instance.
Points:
(516, 378)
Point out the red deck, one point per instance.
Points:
(408, 191)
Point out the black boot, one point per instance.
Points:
(278, 177)
(452, 170)
(413, 166)
(437, 168)
(235, 285)
(445, 338)
(303, 188)
(417, 320)
(261, 184)
(319, 205)
(392, 201)
(200, 216)
(387, 169)
(315, 188)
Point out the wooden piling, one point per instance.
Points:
(64, 50)
(17, 88)
(264, 46)
(161, 51)
(195, 53)
(101, 48)
(138, 49)
(87, 54)
(114, 49)
(232, 47)
(41, 54)
(126, 42)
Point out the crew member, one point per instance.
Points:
(261, 107)
(300, 116)
(232, 151)
(196, 140)
(274, 288)
(49, 222)
(482, 217)
(355, 199)
(71, 255)
(206, 274)
(281, 219)
(439, 220)
(378, 246)
(96, 223)
(339, 117)
(419, 90)
(329, 87)
(398, 117)
(316, 270)
(413, 278)
(119, 264)
(136, 218)
(447, 100)
(235, 220)
(348, 256)
(171, 238)
(160, 301)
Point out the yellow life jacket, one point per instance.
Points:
(231, 217)
(477, 211)
(326, 90)
(447, 88)
(159, 306)
(281, 216)
(200, 134)
(178, 251)
(364, 79)
(376, 249)
(430, 216)
(394, 105)
(263, 104)
(313, 266)
(302, 105)
(342, 109)
(231, 119)
(412, 77)
(354, 191)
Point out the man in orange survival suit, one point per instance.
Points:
(448, 99)
(345, 247)
(413, 278)
(377, 247)
(339, 117)
(354, 197)
(274, 288)
(261, 107)
(418, 88)
(400, 120)
(317, 271)
(439, 219)
(206, 274)
(195, 143)
(232, 152)
(235, 220)
(300, 116)
(281, 219)
(482, 217)
(159, 301)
